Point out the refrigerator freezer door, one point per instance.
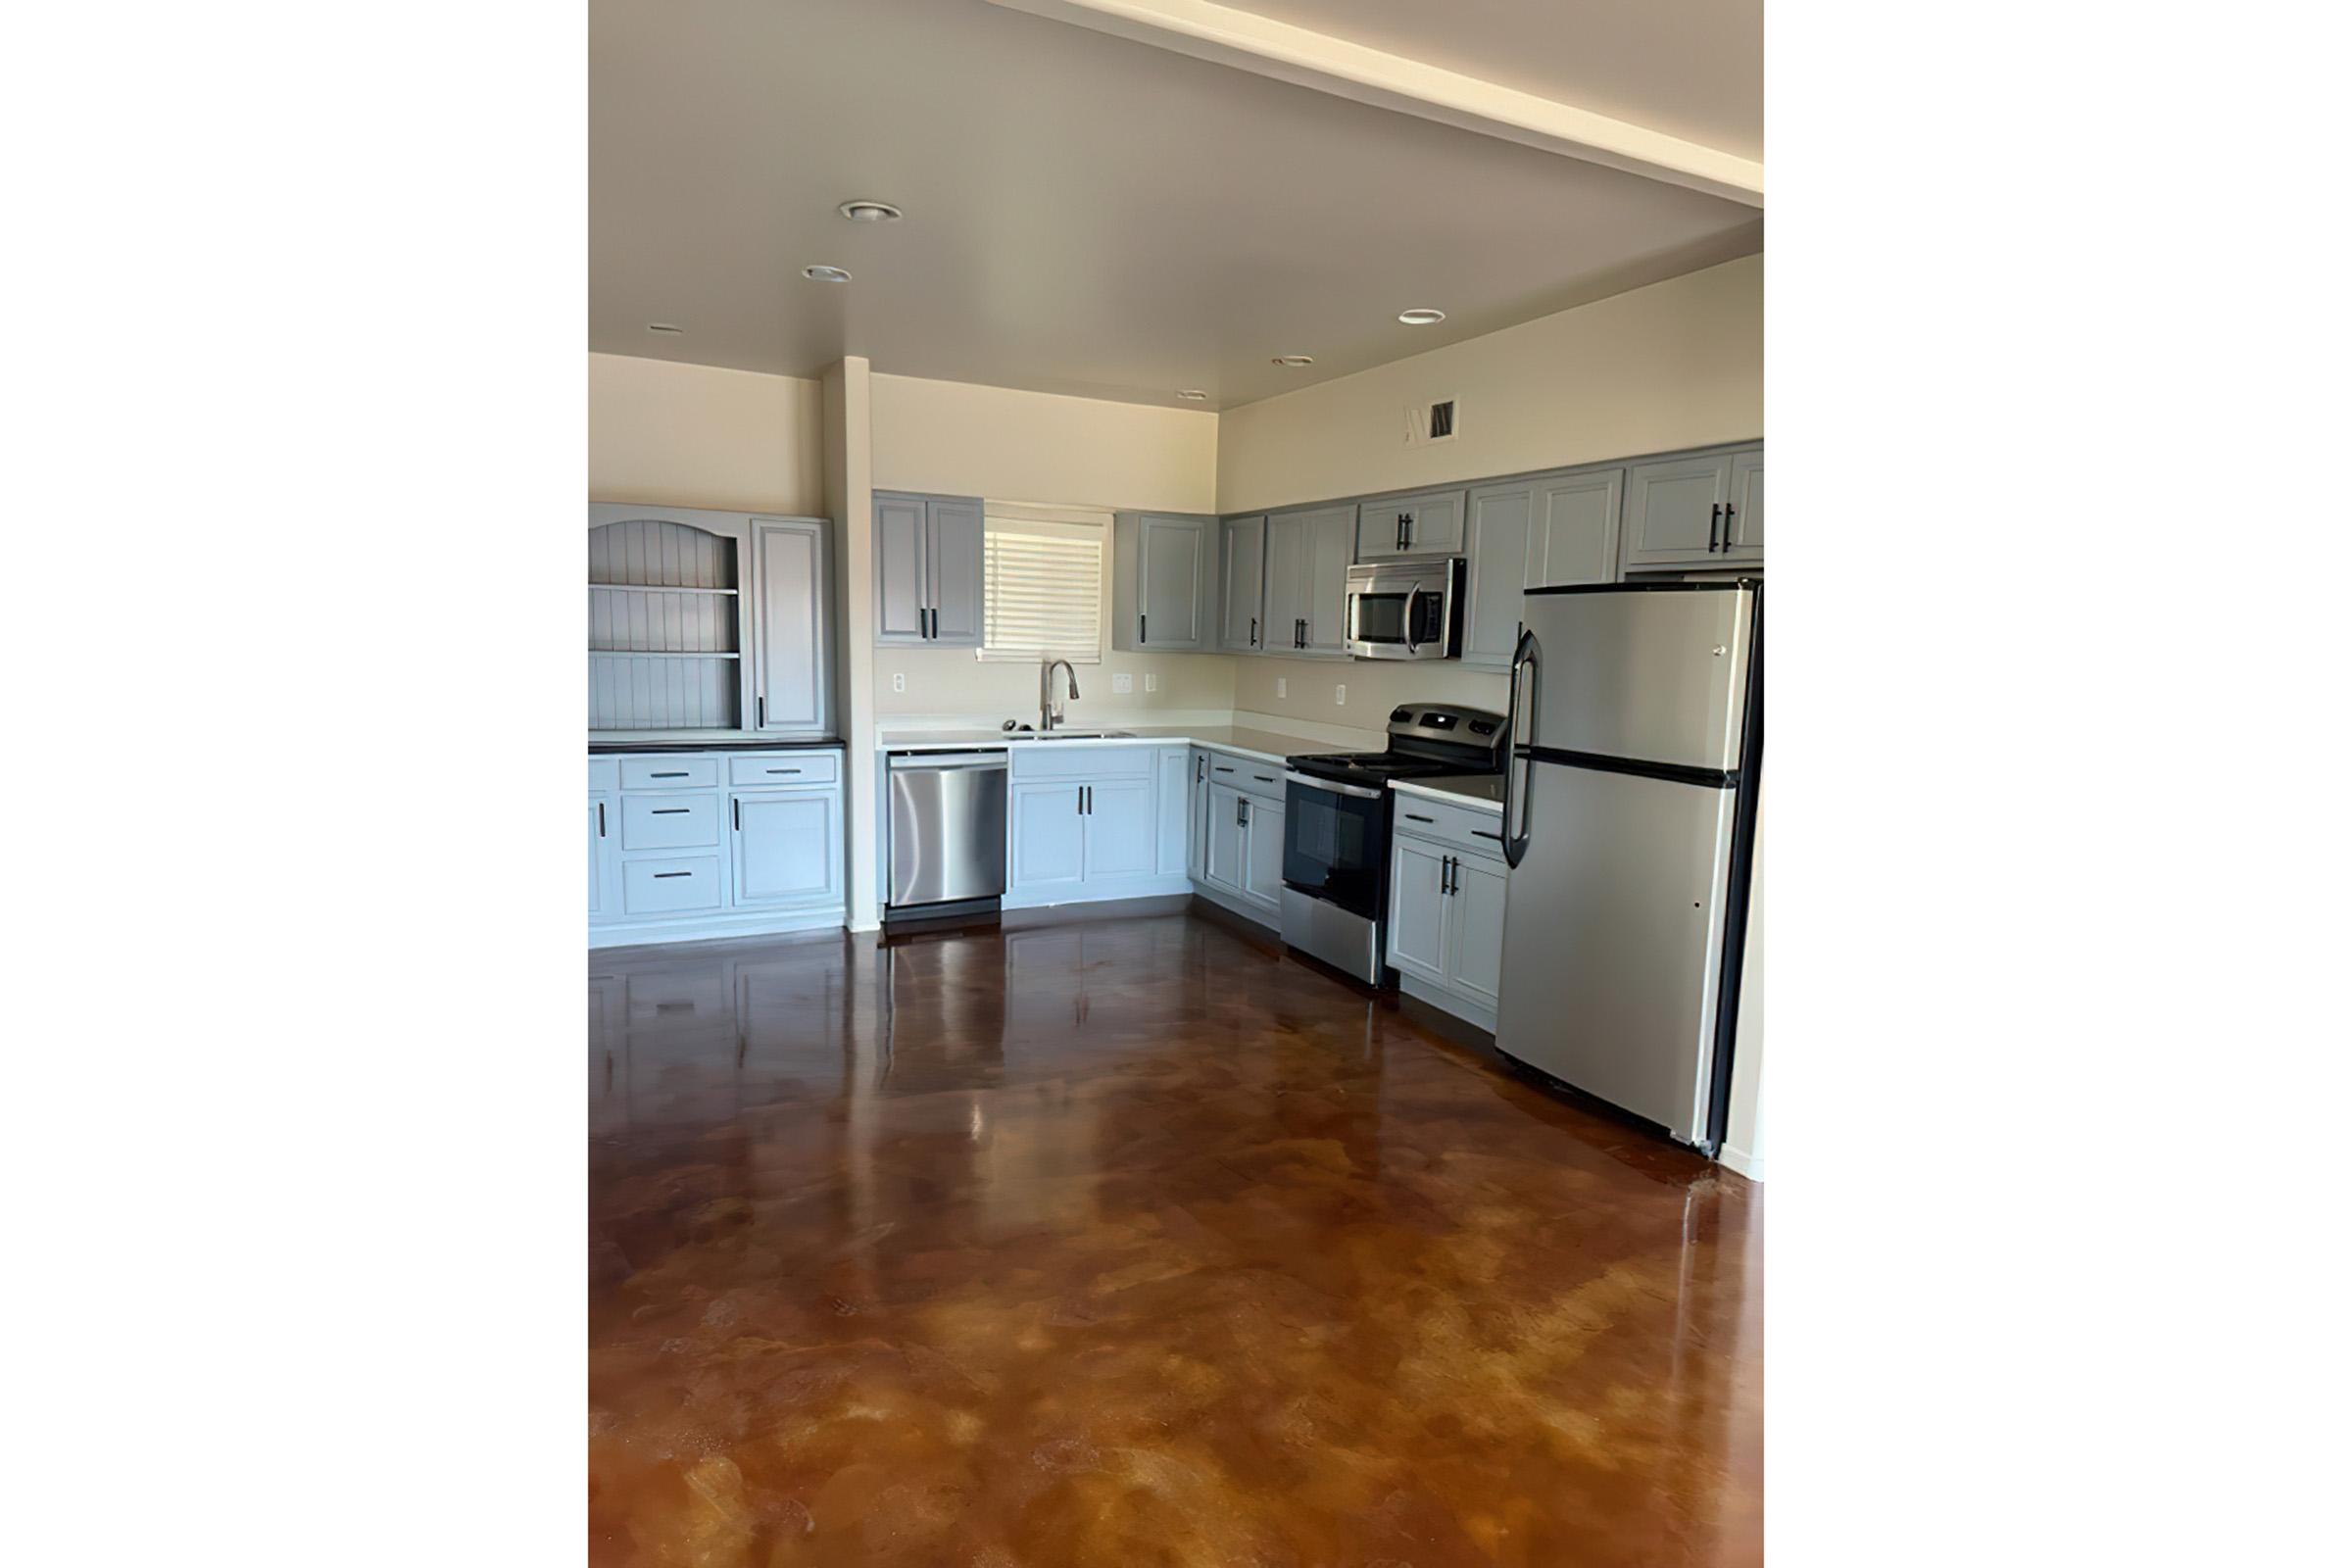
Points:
(1611, 947)
(1652, 676)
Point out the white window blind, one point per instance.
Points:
(1043, 572)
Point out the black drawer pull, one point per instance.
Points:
(1261, 778)
(1223, 769)
(1482, 833)
(664, 877)
(1410, 816)
(783, 770)
(680, 774)
(670, 811)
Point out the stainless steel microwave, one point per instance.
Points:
(1406, 609)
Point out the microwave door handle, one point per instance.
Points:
(1411, 648)
(1527, 656)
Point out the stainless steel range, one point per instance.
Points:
(1335, 850)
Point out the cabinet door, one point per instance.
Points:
(1746, 528)
(1228, 840)
(1417, 908)
(1330, 551)
(901, 569)
(1122, 839)
(1474, 938)
(1196, 816)
(793, 690)
(1410, 526)
(1049, 837)
(1575, 534)
(1174, 808)
(787, 846)
(1498, 535)
(1172, 565)
(1261, 855)
(1674, 509)
(957, 549)
(1245, 629)
(1287, 589)
(602, 810)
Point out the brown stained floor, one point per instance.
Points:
(1135, 1242)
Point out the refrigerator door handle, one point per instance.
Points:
(1528, 657)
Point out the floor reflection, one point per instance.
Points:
(1135, 1241)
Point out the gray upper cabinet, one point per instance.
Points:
(927, 570)
(1307, 557)
(1428, 525)
(1573, 537)
(1245, 629)
(1681, 513)
(1498, 528)
(1163, 583)
(1745, 538)
(792, 678)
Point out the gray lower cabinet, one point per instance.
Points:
(1245, 846)
(600, 861)
(1246, 627)
(1196, 815)
(788, 847)
(1163, 583)
(683, 846)
(792, 686)
(1683, 513)
(1307, 557)
(928, 555)
(1175, 809)
(1426, 524)
(1088, 821)
(1445, 927)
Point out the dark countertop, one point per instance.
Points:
(724, 742)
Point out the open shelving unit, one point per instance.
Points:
(666, 618)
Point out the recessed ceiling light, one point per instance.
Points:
(864, 212)
(826, 275)
(1192, 395)
(1421, 318)
(1291, 362)
(662, 326)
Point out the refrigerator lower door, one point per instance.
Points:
(1612, 940)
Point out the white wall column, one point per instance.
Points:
(848, 460)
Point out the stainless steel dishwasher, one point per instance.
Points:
(947, 833)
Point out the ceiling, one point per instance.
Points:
(1692, 68)
(1085, 214)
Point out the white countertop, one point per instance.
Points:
(1481, 792)
(1259, 745)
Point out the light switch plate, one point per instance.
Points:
(1150, 680)
(1340, 699)
(1122, 683)
(1282, 686)
(898, 680)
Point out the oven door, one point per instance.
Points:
(1334, 842)
(1399, 615)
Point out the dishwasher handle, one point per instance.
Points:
(904, 762)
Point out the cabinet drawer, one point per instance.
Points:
(603, 773)
(668, 821)
(668, 772)
(1077, 759)
(669, 887)
(1458, 827)
(1246, 774)
(783, 768)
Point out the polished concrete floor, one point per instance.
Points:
(1135, 1243)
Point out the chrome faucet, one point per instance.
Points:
(1047, 716)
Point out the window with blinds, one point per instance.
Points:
(1044, 586)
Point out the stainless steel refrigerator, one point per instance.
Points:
(1629, 821)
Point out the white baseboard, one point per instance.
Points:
(1740, 1161)
(639, 933)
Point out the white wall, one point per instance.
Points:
(1677, 364)
(947, 437)
(1372, 688)
(689, 435)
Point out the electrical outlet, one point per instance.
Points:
(1339, 697)
(1122, 683)
(1282, 686)
(1150, 681)
(898, 680)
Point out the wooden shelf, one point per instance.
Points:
(651, 652)
(656, 588)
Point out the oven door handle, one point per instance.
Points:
(1333, 785)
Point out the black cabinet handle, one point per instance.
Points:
(783, 770)
(600, 820)
(1300, 632)
(1222, 769)
(1262, 778)
(681, 774)
(738, 804)
(1714, 521)
(1408, 521)
(1240, 812)
(1254, 631)
(759, 706)
(1410, 816)
(1482, 833)
(669, 811)
(1143, 629)
(1728, 511)
(664, 877)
